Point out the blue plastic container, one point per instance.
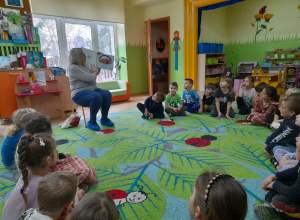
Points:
(20, 41)
(213, 48)
(219, 48)
(203, 48)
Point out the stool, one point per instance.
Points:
(73, 111)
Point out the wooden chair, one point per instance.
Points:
(73, 111)
(280, 81)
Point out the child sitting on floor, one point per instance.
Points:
(208, 97)
(266, 103)
(190, 98)
(13, 135)
(86, 174)
(36, 154)
(274, 120)
(283, 197)
(172, 100)
(224, 96)
(152, 107)
(245, 96)
(56, 197)
(284, 136)
(258, 89)
(98, 205)
(218, 197)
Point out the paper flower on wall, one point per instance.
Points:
(259, 25)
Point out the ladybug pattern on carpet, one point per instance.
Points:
(204, 141)
(106, 131)
(166, 122)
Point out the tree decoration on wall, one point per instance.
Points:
(176, 48)
(260, 24)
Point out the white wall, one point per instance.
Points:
(100, 10)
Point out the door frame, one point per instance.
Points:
(191, 36)
(149, 57)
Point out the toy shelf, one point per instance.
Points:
(212, 74)
(213, 64)
(40, 93)
(51, 80)
(7, 48)
(282, 51)
(283, 58)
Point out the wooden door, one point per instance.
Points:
(149, 57)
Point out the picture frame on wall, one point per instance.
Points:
(14, 3)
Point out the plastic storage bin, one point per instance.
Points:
(219, 48)
(208, 80)
(212, 60)
(213, 48)
(203, 48)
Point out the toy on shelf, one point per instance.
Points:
(176, 48)
(35, 87)
(26, 91)
(51, 77)
(22, 79)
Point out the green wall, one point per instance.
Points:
(137, 68)
(250, 51)
(123, 75)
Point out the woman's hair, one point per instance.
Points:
(56, 190)
(39, 124)
(227, 198)
(96, 206)
(251, 80)
(76, 56)
(272, 93)
(17, 121)
(294, 90)
(229, 81)
(32, 151)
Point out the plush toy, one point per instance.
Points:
(51, 77)
(72, 121)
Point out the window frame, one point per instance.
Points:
(62, 39)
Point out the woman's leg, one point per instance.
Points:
(106, 96)
(90, 99)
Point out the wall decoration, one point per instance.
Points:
(176, 48)
(14, 3)
(160, 45)
(262, 26)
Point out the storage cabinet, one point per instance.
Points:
(210, 69)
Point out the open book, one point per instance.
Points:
(103, 61)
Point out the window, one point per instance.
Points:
(59, 35)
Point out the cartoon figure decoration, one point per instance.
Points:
(176, 48)
(51, 77)
(262, 26)
(120, 197)
(21, 79)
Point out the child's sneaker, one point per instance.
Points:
(144, 117)
(93, 126)
(265, 211)
(169, 114)
(68, 154)
(182, 114)
(148, 117)
(109, 123)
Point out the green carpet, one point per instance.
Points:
(150, 169)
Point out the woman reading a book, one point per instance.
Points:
(85, 92)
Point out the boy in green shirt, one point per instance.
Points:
(172, 100)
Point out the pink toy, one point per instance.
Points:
(35, 87)
(21, 79)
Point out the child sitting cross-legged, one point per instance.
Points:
(284, 136)
(172, 100)
(208, 97)
(245, 96)
(283, 198)
(56, 197)
(224, 96)
(98, 205)
(266, 103)
(218, 197)
(152, 107)
(190, 98)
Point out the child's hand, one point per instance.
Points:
(284, 161)
(146, 112)
(219, 115)
(227, 116)
(80, 193)
(268, 153)
(243, 84)
(298, 144)
(200, 111)
(175, 109)
(151, 115)
(265, 185)
(265, 145)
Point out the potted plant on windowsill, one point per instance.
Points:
(118, 63)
